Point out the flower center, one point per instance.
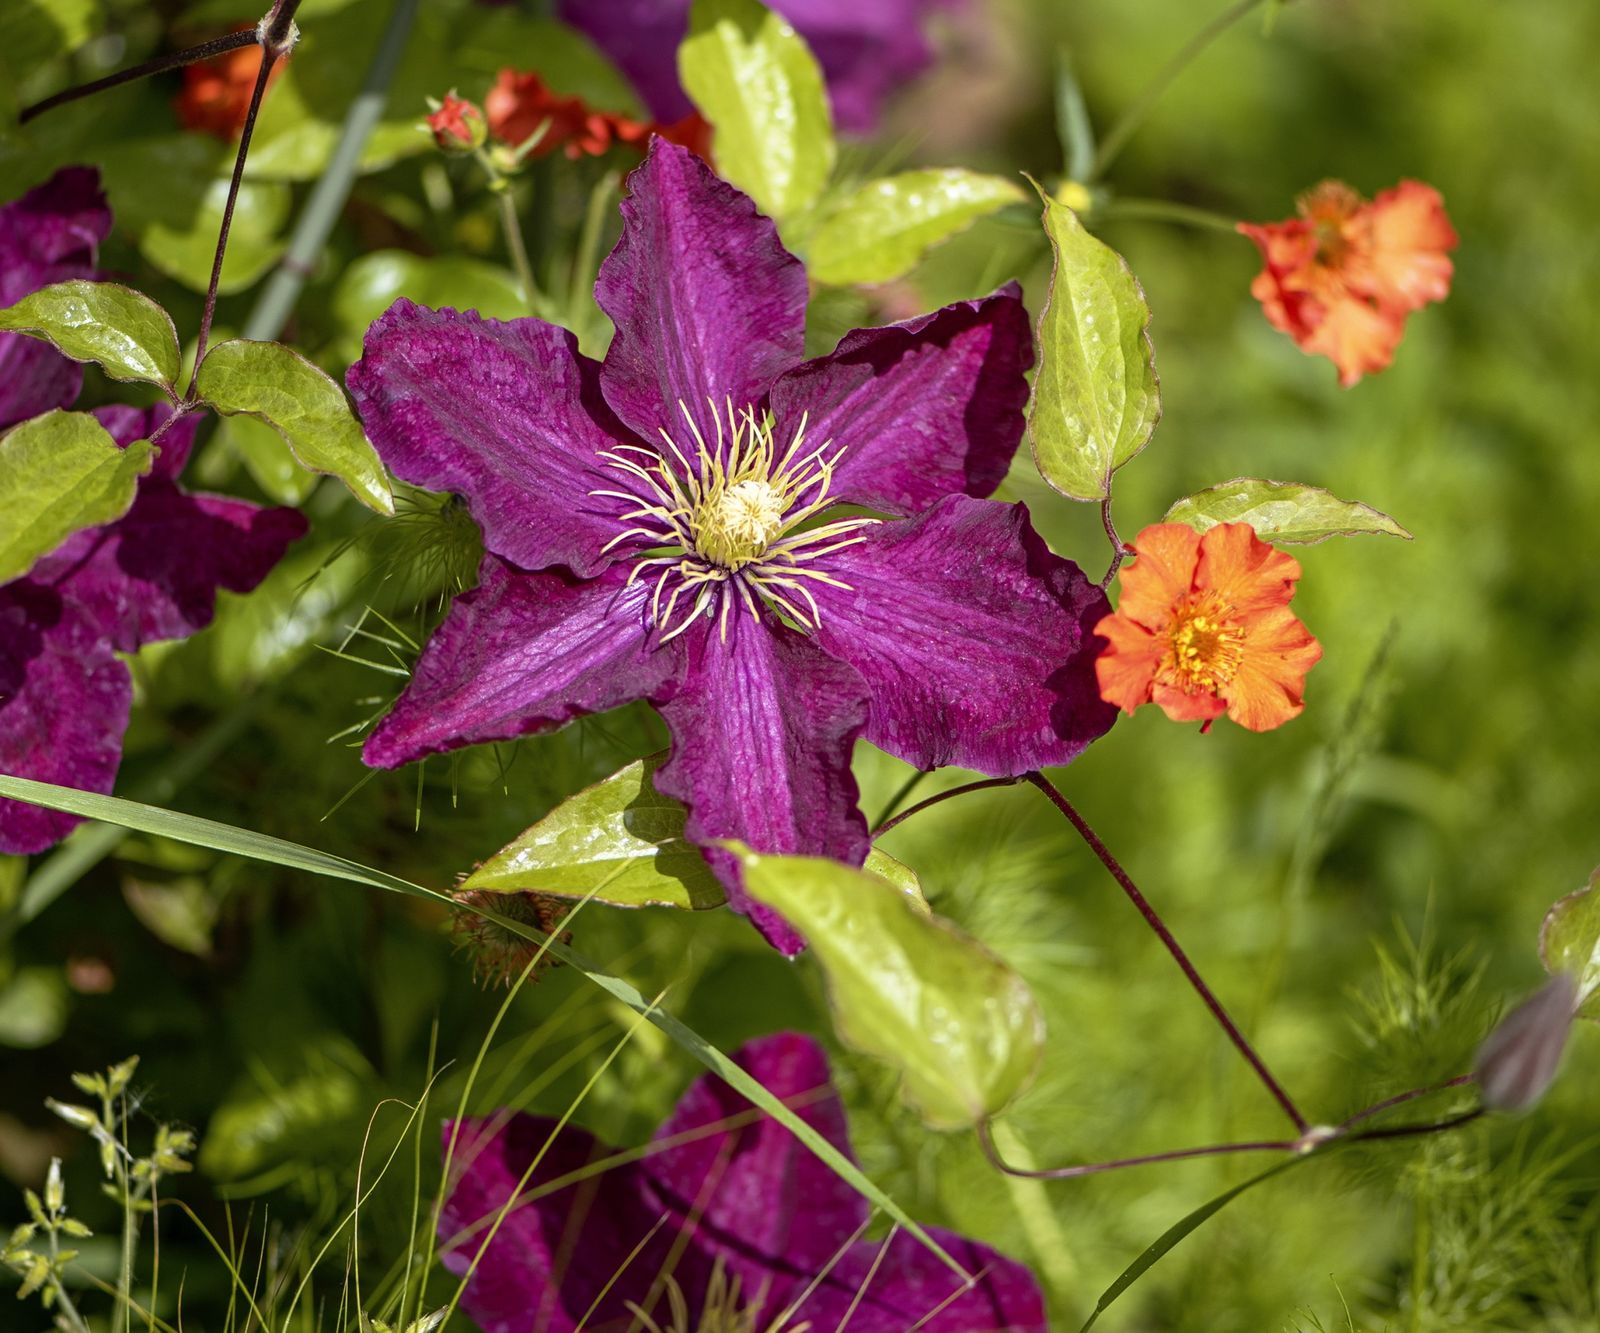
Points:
(1204, 645)
(729, 517)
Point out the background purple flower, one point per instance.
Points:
(724, 1192)
(49, 235)
(867, 48)
(151, 575)
(650, 528)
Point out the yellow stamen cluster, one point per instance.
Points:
(1204, 645)
(727, 515)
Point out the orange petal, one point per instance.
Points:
(1247, 573)
(1182, 706)
(1162, 572)
(1126, 669)
(1358, 338)
(1269, 687)
(1407, 265)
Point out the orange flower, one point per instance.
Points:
(1203, 627)
(519, 103)
(1341, 277)
(216, 93)
(457, 124)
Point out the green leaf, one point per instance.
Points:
(181, 912)
(1569, 941)
(33, 1008)
(1169, 1238)
(127, 333)
(1281, 511)
(907, 988)
(279, 851)
(304, 405)
(619, 840)
(33, 32)
(753, 77)
(883, 229)
(61, 473)
(1096, 400)
(270, 461)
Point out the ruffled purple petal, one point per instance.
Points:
(767, 1206)
(890, 1286)
(49, 235)
(709, 307)
(127, 424)
(551, 1257)
(763, 724)
(507, 414)
(524, 653)
(64, 703)
(923, 409)
(974, 639)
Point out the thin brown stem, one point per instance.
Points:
(1399, 1099)
(937, 797)
(986, 1141)
(1413, 1131)
(189, 55)
(1118, 550)
(1154, 921)
(901, 796)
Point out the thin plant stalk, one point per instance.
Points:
(939, 797)
(1164, 210)
(217, 46)
(511, 224)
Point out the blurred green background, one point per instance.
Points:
(1363, 887)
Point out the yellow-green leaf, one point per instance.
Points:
(124, 331)
(1096, 400)
(909, 989)
(884, 228)
(61, 473)
(304, 405)
(1281, 511)
(1569, 941)
(753, 77)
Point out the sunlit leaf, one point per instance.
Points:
(267, 457)
(372, 284)
(1569, 941)
(753, 77)
(124, 331)
(907, 988)
(881, 230)
(1281, 511)
(61, 473)
(1096, 400)
(304, 405)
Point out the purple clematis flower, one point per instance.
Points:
(49, 235)
(659, 527)
(153, 574)
(727, 1220)
(867, 48)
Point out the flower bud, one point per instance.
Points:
(1518, 1061)
(458, 125)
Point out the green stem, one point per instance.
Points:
(1135, 115)
(1162, 210)
(512, 226)
(62, 1299)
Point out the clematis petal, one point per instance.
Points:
(639, 37)
(64, 701)
(708, 305)
(898, 1283)
(1410, 234)
(523, 653)
(1162, 572)
(1247, 573)
(975, 640)
(507, 414)
(923, 409)
(767, 1206)
(49, 235)
(551, 1258)
(763, 722)
(1269, 688)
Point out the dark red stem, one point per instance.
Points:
(1118, 550)
(999, 1163)
(1399, 1099)
(205, 51)
(1154, 921)
(942, 796)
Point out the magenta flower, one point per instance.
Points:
(49, 235)
(727, 1219)
(660, 526)
(151, 575)
(867, 48)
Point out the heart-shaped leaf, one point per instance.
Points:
(1281, 511)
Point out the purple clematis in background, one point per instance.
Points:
(727, 1220)
(662, 526)
(867, 49)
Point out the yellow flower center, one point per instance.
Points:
(1204, 645)
(736, 524)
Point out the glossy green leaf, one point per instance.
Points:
(881, 230)
(269, 460)
(61, 473)
(124, 331)
(304, 405)
(373, 283)
(1569, 941)
(1281, 511)
(907, 988)
(753, 77)
(170, 192)
(1096, 399)
(279, 851)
